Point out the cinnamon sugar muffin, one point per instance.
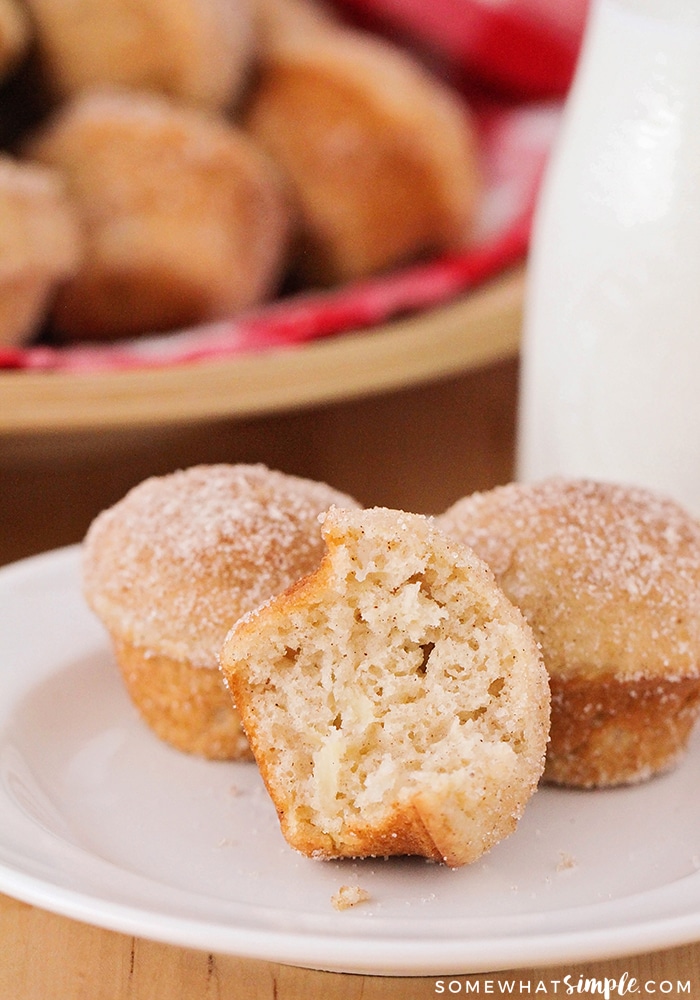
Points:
(171, 566)
(15, 35)
(278, 20)
(197, 51)
(609, 578)
(381, 157)
(395, 700)
(40, 245)
(185, 218)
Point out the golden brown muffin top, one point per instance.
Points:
(181, 557)
(608, 575)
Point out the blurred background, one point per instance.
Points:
(266, 231)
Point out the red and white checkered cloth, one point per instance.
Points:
(515, 140)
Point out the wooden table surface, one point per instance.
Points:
(419, 448)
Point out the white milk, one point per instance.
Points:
(611, 354)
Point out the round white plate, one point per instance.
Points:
(101, 822)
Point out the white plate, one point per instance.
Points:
(101, 822)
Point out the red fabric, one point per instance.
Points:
(527, 48)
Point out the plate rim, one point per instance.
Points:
(331, 954)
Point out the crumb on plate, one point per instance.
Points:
(349, 895)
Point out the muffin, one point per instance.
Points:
(15, 35)
(395, 700)
(185, 219)
(277, 20)
(196, 51)
(40, 246)
(608, 576)
(381, 157)
(170, 567)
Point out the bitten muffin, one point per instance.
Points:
(185, 218)
(395, 700)
(171, 566)
(381, 157)
(608, 576)
(40, 246)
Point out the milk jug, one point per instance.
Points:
(610, 383)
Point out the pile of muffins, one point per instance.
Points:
(192, 158)
(404, 683)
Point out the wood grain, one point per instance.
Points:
(47, 957)
(419, 447)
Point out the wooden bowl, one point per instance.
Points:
(471, 331)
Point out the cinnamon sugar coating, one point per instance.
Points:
(381, 157)
(197, 51)
(15, 35)
(185, 706)
(608, 576)
(171, 567)
(40, 245)
(182, 556)
(185, 218)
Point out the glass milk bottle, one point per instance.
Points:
(610, 385)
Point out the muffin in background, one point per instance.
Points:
(196, 51)
(381, 157)
(185, 218)
(41, 246)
